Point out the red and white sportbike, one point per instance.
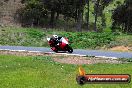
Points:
(62, 46)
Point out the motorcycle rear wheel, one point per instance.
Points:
(54, 49)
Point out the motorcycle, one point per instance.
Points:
(63, 45)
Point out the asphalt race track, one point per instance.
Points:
(76, 51)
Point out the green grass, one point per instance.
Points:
(22, 36)
(42, 72)
(122, 39)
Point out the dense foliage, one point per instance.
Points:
(68, 15)
(33, 14)
(89, 40)
(47, 12)
(122, 17)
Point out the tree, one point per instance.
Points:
(96, 6)
(87, 17)
(67, 8)
(32, 14)
(73, 9)
(52, 6)
(122, 17)
(99, 6)
(80, 7)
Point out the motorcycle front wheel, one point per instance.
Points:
(70, 50)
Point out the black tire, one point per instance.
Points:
(56, 51)
(69, 49)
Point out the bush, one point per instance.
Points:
(32, 14)
(35, 33)
(89, 39)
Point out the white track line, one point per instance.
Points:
(72, 54)
(59, 53)
(35, 51)
(83, 55)
(20, 50)
(106, 57)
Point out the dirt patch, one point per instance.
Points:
(22, 53)
(84, 60)
(64, 58)
(72, 60)
(121, 48)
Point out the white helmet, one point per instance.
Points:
(55, 36)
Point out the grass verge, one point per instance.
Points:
(43, 72)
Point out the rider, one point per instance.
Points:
(57, 39)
